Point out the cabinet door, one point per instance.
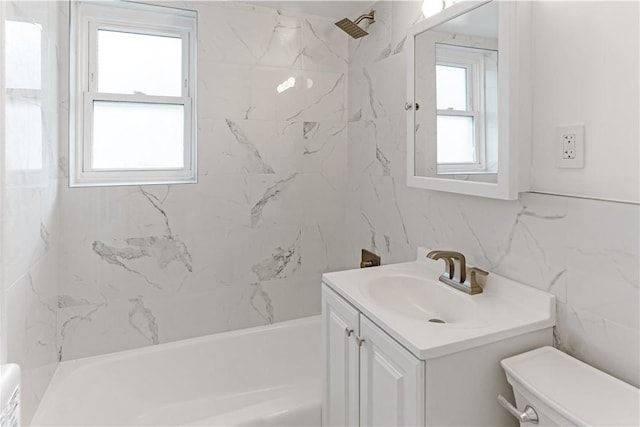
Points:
(340, 378)
(391, 381)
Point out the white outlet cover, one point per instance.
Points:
(578, 161)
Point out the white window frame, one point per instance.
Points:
(87, 19)
(474, 64)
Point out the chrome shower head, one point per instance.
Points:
(350, 27)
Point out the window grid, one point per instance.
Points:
(453, 56)
(132, 19)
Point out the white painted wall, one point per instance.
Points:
(585, 71)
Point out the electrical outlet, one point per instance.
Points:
(570, 147)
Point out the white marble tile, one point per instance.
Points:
(41, 307)
(224, 199)
(293, 95)
(325, 46)
(16, 320)
(606, 345)
(22, 235)
(275, 252)
(324, 97)
(323, 247)
(405, 14)
(377, 45)
(289, 299)
(602, 265)
(223, 92)
(91, 329)
(251, 147)
(325, 150)
(273, 200)
(192, 315)
(141, 265)
(242, 34)
(376, 91)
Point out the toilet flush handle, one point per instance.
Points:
(528, 416)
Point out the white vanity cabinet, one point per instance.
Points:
(402, 348)
(370, 379)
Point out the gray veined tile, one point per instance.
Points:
(270, 194)
(143, 320)
(64, 326)
(281, 263)
(261, 302)
(385, 163)
(255, 163)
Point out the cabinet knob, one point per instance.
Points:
(408, 106)
(360, 341)
(348, 331)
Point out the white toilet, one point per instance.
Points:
(559, 390)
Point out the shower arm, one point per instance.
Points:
(365, 16)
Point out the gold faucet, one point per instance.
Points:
(455, 274)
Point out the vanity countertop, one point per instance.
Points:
(402, 298)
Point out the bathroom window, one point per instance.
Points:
(464, 104)
(133, 117)
(25, 93)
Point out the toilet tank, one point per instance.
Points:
(565, 391)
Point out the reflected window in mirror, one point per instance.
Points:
(464, 63)
(466, 103)
(22, 68)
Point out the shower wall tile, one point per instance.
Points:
(30, 229)
(324, 47)
(377, 45)
(585, 252)
(244, 34)
(248, 243)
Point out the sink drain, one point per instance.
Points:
(437, 321)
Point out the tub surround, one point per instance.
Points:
(246, 245)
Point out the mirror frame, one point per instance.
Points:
(514, 106)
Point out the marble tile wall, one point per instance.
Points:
(246, 245)
(585, 252)
(30, 217)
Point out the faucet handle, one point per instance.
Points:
(477, 278)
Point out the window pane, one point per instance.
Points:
(139, 63)
(129, 135)
(451, 88)
(23, 55)
(23, 134)
(455, 140)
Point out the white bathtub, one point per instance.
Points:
(269, 375)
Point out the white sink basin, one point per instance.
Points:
(421, 298)
(405, 299)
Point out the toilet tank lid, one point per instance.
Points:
(577, 391)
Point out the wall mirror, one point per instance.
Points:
(461, 103)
